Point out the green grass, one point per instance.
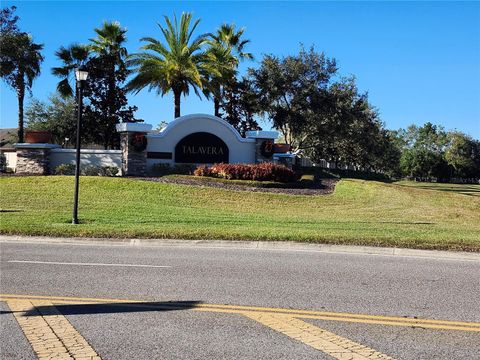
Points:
(465, 189)
(358, 212)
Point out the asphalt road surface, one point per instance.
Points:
(140, 302)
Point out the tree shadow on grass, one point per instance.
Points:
(109, 308)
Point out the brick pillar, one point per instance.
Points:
(134, 162)
(33, 159)
(262, 156)
(262, 138)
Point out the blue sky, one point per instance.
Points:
(419, 61)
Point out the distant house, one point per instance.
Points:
(8, 137)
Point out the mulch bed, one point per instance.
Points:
(322, 187)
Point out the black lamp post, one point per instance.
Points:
(81, 75)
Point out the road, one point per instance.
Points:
(188, 302)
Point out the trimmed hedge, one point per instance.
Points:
(69, 169)
(257, 172)
(167, 169)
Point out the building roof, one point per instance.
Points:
(7, 138)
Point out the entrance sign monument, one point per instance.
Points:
(193, 139)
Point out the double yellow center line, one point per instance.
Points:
(237, 309)
(52, 336)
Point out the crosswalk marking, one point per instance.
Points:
(325, 341)
(49, 332)
(53, 337)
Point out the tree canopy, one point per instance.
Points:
(20, 60)
(174, 65)
(106, 102)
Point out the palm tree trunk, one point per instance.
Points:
(216, 104)
(176, 96)
(21, 96)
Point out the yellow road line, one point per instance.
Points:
(49, 332)
(307, 314)
(331, 344)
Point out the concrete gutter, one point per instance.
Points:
(248, 245)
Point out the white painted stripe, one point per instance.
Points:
(85, 264)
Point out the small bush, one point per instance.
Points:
(177, 169)
(257, 172)
(65, 169)
(109, 171)
(90, 170)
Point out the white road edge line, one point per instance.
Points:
(85, 264)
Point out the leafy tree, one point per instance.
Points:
(175, 65)
(322, 115)
(226, 50)
(106, 102)
(20, 61)
(288, 89)
(463, 155)
(8, 21)
(424, 164)
(56, 116)
(423, 153)
(240, 105)
(105, 107)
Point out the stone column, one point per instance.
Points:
(263, 141)
(33, 159)
(134, 161)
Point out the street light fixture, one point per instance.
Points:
(81, 75)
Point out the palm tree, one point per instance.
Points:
(109, 45)
(109, 48)
(228, 37)
(226, 51)
(109, 41)
(20, 65)
(71, 57)
(174, 66)
(222, 59)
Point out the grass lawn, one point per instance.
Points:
(358, 212)
(466, 189)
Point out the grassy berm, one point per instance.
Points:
(358, 212)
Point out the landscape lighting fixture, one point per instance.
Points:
(81, 73)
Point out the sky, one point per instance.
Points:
(418, 61)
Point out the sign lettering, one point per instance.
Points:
(201, 148)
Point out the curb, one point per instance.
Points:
(248, 245)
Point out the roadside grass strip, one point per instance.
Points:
(357, 213)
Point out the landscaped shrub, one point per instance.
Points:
(258, 172)
(90, 170)
(65, 169)
(167, 169)
(99, 170)
(109, 171)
